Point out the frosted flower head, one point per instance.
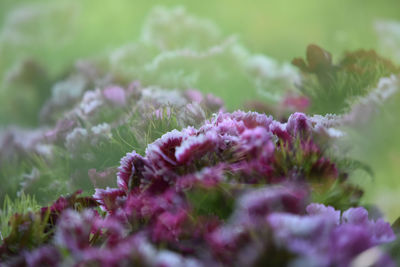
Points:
(130, 170)
(298, 123)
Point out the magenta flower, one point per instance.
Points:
(235, 191)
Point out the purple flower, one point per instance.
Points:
(194, 147)
(250, 119)
(208, 177)
(43, 256)
(379, 230)
(325, 236)
(254, 206)
(109, 198)
(169, 226)
(130, 172)
(357, 215)
(194, 95)
(115, 95)
(161, 112)
(326, 211)
(298, 123)
(254, 148)
(162, 152)
(256, 143)
(347, 241)
(74, 229)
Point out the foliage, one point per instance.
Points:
(333, 87)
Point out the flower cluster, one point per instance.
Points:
(91, 123)
(237, 147)
(178, 181)
(235, 191)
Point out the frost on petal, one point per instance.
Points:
(298, 124)
(251, 119)
(162, 151)
(225, 126)
(279, 129)
(130, 171)
(194, 147)
(255, 143)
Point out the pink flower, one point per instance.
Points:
(115, 95)
(109, 199)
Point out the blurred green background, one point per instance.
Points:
(280, 29)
